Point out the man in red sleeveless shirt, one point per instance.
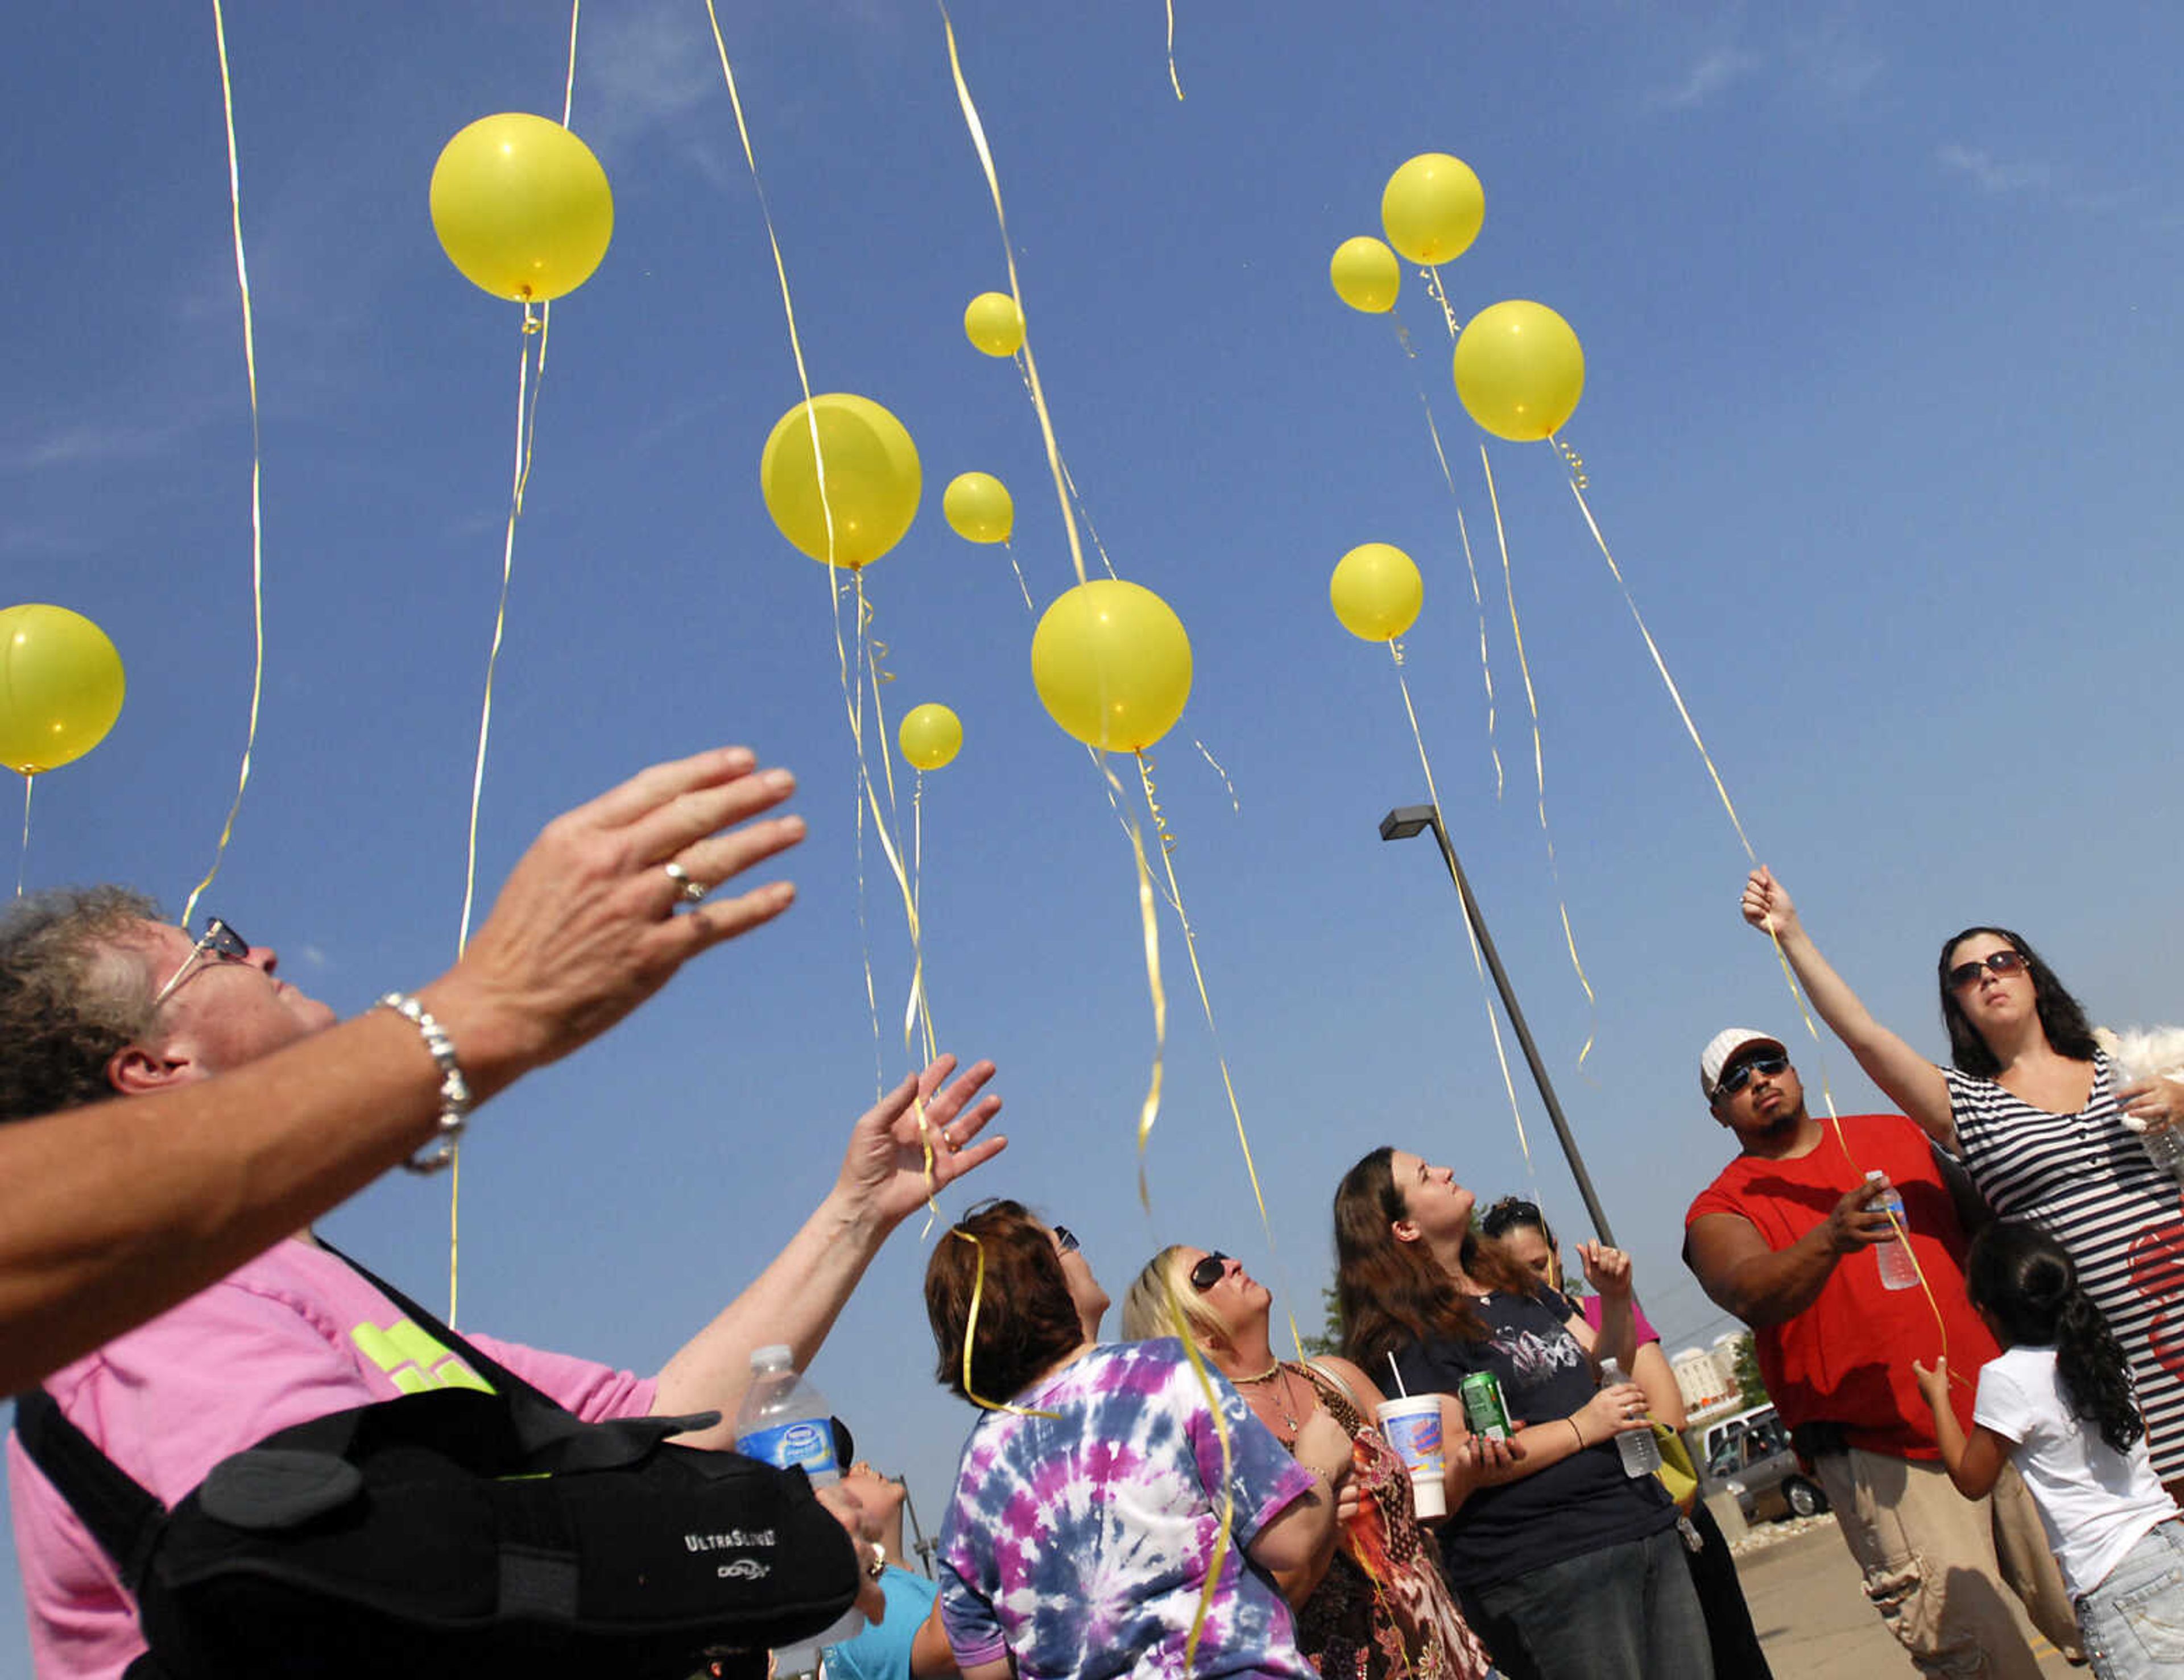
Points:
(1787, 1239)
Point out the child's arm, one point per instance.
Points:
(1974, 1464)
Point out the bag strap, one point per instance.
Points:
(1335, 1377)
(503, 1379)
(122, 1516)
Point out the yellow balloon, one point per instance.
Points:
(979, 508)
(1376, 591)
(1365, 275)
(873, 479)
(994, 324)
(1432, 208)
(931, 735)
(1519, 371)
(61, 688)
(521, 207)
(1112, 664)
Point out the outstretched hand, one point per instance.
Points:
(883, 1171)
(1933, 1381)
(1767, 904)
(1607, 1270)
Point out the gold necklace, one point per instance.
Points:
(1266, 1375)
(1280, 1395)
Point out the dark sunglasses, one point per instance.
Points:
(1997, 962)
(220, 942)
(1209, 1271)
(1064, 1239)
(1740, 1075)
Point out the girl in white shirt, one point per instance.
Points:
(2057, 1404)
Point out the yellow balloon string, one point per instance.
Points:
(1470, 933)
(1010, 549)
(23, 861)
(1470, 566)
(1224, 1537)
(1083, 512)
(1174, 81)
(1448, 314)
(1235, 803)
(1781, 957)
(1539, 760)
(971, 1335)
(257, 468)
(569, 87)
(1167, 843)
(1016, 290)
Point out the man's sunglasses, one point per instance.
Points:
(1995, 962)
(220, 944)
(1740, 1075)
(1209, 1271)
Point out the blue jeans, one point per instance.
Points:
(1625, 1612)
(2133, 1622)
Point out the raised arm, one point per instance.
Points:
(1760, 1285)
(795, 1300)
(1608, 1270)
(1912, 1082)
(113, 1213)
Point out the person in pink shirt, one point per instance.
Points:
(133, 1004)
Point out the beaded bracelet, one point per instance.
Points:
(454, 1088)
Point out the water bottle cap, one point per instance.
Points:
(1609, 1368)
(778, 1357)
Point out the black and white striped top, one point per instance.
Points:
(2086, 1179)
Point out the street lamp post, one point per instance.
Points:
(1400, 824)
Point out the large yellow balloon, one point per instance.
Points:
(521, 207)
(1112, 664)
(61, 688)
(1432, 208)
(873, 479)
(1376, 591)
(1519, 371)
(979, 508)
(994, 324)
(1365, 275)
(931, 735)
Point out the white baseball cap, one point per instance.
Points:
(1724, 1045)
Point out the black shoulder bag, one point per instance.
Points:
(460, 1535)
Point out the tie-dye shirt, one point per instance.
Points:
(1081, 1542)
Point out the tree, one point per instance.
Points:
(1751, 1390)
(1330, 1338)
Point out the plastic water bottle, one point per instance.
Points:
(1898, 1271)
(2165, 1146)
(785, 1420)
(1641, 1453)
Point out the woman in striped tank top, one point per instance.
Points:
(2035, 1110)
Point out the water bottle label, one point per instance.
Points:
(807, 1443)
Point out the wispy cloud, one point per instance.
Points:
(1836, 63)
(86, 445)
(1992, 176)
(1717, 70)
(641, 68)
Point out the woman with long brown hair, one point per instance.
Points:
(1567, 1566)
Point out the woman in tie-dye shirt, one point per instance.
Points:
(1089, 1504)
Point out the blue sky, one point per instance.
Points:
(1881, 397)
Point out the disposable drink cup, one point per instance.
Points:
(1412, 1427)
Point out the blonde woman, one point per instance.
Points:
(1378, 1607)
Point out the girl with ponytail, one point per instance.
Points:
(2057, 1404)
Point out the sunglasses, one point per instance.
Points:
(1995, 962)
(1064, 1239)
(220, 943)
(1209, 1271)
(1740, 1075)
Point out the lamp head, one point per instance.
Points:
(1405, 820)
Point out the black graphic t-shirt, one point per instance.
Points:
(1579, 1505)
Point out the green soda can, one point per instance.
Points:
(1481, 1394)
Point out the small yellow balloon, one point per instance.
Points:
(873, 480)
(1376, 591)
(931, 735)
(979, 508)
(1432, 208)
(1112, 664)
(994, 324)
(521, 207)
(61, 688)
(1519, 371)
(1365, 275)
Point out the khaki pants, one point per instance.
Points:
(1936, 1563)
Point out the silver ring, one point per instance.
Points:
(692, 892)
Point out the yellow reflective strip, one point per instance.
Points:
(453, 1373)
(375, 1344)
(417, 1344)
(411, 1381)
